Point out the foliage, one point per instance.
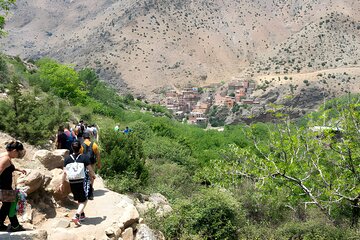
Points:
(211, 214)
(4, 73)
(141, 129)
(314, 230)
(61, 80)
(105, 100)
(316, 170)
(25, 118)
(170, 179)
(162, 148)
(123, 160)
(217, 116)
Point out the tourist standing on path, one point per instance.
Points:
(91, 149)
(79, 180)
(14, 149)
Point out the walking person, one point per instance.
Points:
(91, 149)
(14, 149)
(80, 129)
(78, 170)
(70, 137)
(60, 138)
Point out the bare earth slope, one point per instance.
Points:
(145, 45)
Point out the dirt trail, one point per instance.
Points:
(101, 213)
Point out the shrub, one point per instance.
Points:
(314, 230)
(31, 118)
(211, 214)
(165, 148)
(123, 160)
(170, 179)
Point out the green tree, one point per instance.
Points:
(4, 73)
(62, 80)
(321, 171)
(29, 116)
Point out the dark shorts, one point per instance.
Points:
(78, 191)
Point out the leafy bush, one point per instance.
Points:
(314, 230)
(141, 129)
(210, 214)
(61, 80)
(123, 160)
(170, 179)
(165, 148)
(31, 117)
(4, 73)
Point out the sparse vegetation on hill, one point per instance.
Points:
(144, 45)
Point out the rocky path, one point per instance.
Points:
(106, 209)
(109, 216)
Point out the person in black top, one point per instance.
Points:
(14, 149)
(61, 138)
(80, 188)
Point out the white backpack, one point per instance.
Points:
(75, 170)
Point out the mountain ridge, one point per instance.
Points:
(142, 46)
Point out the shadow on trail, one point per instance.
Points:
(93, 220)
(99, 192)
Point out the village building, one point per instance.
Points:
(201, 107)
(197, 118)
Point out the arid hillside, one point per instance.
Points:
(142, 46)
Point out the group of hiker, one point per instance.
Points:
(79, 166)
(79, 171)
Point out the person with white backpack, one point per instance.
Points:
(78, 171)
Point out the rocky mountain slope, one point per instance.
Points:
(145, 45)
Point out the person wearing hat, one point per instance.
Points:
(91, 149)
(14, 149)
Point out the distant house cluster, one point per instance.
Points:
(185, 100)
(237, 91)
(192, 104)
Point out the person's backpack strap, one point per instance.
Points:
(74, 158)
(85, 147)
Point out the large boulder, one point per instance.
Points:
(54, 185)
(155, 201)
(129, 215)
(144, 232)
(51, 160)
(32, 181)
(128, 234)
